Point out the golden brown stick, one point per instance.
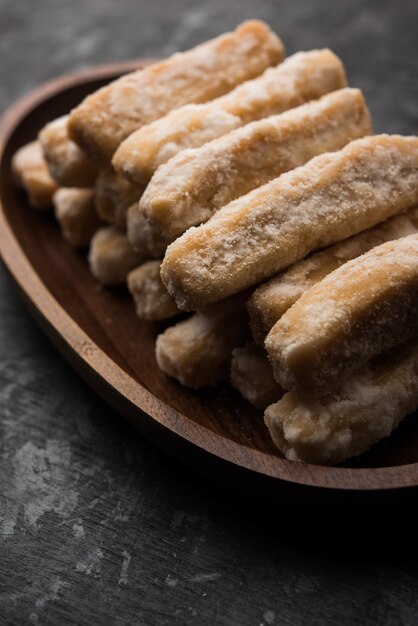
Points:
(197, 351)
(152, 301)
(364, 307)
(270, 301)
(304, 76)
(76, 214)
(345, 423)
(142, 236)
(68, 165)
(192, 186)
(114, 196)
(252, 376)
(108, 116)
(30, 172)
(111, 257)
(332, 197)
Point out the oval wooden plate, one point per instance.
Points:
(213, 431)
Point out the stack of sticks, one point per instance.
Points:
(248, 190)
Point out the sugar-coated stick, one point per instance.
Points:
(252, 376)
(364, 307)
(345, 423)
(142, 236)
(272, 299)
(68, 165)
(152, 301)
(76, 214)
(111, 257)
(302, 77)
(31, 172)
(109, 115)
(114, 196)
(332, 197)
(193, 185)
(197, 351)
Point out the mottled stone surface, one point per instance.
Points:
(96, 525)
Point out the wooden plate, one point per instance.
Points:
(213, 431)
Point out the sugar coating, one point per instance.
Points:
(142, 236)
(345, 423)
(76, 214)
(192, 186)
(197, 351)
(111, 257)
(108, 116)
(332, 197)
(114, 196)
(252, 376)
(68, 165)
(302, 77)
(152, 301)
(364, 307)
(31, 172)
(272, 299)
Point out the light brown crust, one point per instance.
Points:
(302, 77)
(31, 172)
(114, 196)
(197, 351)
(193, 185)
(345, 423)
(364, 307)
(142, 236)
(68, 165)
(76, 214)
(111, 257)
(332, 197)
(272, 299)
(152, 301)
(252, 376)
(108, 116)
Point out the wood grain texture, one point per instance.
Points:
(97, 330)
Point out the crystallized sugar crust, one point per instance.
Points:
(114, 196)
(152, 301)
(270, 301)
(302, 77)
(76, 214)
(67, 163)
(364, 307)
(345, 423)
(192, 186)
(252, 376)
(111, 257)
(332, 197)
(108, 116)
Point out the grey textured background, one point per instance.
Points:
(97, 526)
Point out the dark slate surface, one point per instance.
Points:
(97, 526)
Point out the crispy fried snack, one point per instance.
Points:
(142, 237)
(111, 257)
(252, 376)
(108, 116)
(114, 196)
(364, 307)
(197, 351)
(332, 197)
(68, 165)
(152, 301)
(270, 301)
(345, 423)
(30, 172)
(76, 214)
(192, 186)
(302, 77)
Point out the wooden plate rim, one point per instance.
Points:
(96, 361)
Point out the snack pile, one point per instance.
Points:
(248, 190)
